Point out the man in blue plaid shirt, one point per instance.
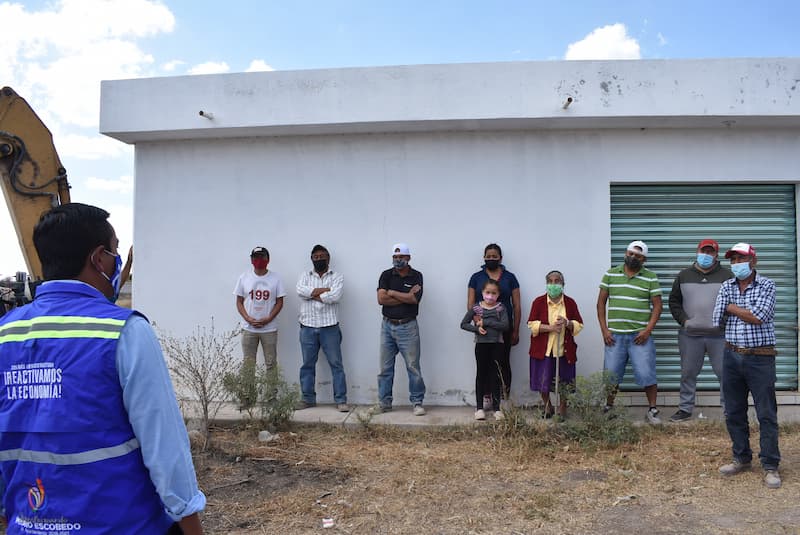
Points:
(746, 308)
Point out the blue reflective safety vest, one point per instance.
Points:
(69, 459)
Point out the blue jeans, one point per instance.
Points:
(330, 340)
(642, 357)
(403, 339)
(755, 374)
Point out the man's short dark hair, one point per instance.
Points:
(260, 252)
(66, 235)
(317, 248)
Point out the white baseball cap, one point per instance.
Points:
(741, 248)
(401, 248)
(638, 244)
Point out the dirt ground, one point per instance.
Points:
(481, 479)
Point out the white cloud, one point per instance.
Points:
(608, 42)
(210, 67)
(170, 66)
(661, 39)
(56, 57)
(95, 147)
(11, 260)
(258, 65)
(121, 219)
(123, 184)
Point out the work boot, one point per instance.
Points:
(734, 468)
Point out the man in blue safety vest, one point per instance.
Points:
(91, 437)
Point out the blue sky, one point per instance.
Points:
(55, 53)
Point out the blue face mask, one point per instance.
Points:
(741, 270)
(705, 261)
(115, 277)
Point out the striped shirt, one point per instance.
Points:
(322, 313)
(758, 298)
(629, 298)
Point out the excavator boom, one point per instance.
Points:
(31, 175)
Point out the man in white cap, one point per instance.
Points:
(745, 307)
(691, 303)
(633, 295)
(399, 293)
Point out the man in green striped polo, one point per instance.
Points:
(633, 296)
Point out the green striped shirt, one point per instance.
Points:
(629, 298)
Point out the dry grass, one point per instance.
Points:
(480, 480)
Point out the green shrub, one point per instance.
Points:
(263, 394)
(588, 423)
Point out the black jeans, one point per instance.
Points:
(487, 376)
(504, 360)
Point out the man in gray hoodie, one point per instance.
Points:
(691, 303)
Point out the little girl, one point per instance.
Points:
(488, 319)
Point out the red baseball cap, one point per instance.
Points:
(709, 243)
(741, 248)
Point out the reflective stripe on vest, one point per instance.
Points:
(61, 327)
(63, 459)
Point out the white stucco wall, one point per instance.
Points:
(528, 181)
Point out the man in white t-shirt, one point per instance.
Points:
(259, 300)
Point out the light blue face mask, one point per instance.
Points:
(705, 261)
(741, 270)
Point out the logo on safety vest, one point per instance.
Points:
(36, 498)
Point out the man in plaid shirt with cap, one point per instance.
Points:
(745, 307)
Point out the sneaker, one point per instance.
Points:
(480, 415)
(652, 416)
(607, 408)
(772, 479)
(419, 410)
(343, 407)
(302, 404)
(498, 415)
(734, 468)
(680, 416)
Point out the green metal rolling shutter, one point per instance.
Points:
(672, 219)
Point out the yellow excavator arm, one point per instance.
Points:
(31, 175)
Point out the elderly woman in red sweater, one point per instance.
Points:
(554, 322)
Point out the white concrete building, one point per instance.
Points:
(449, 158)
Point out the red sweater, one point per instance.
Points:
(539, 312)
